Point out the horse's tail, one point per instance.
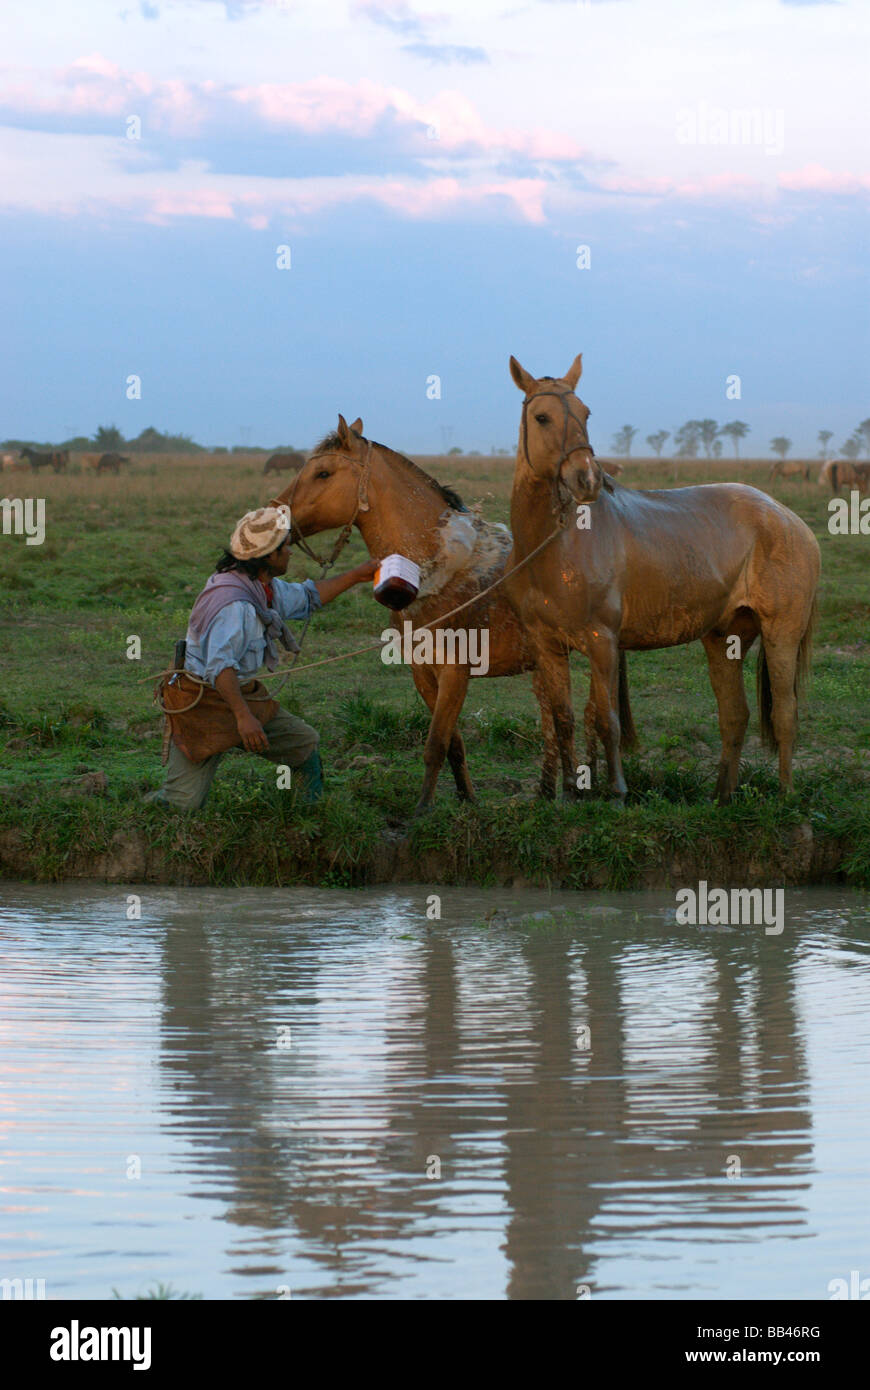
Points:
(627, 731)
(765, 701)
(805, 651)
(801, 672)
(835, 485)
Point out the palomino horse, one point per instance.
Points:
(844, 473)
(349, 480)
(638, 570)
(790, 468)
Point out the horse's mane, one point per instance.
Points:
(333, 443)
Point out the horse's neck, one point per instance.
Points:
(403, 513)
(531, 511)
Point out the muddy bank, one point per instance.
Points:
(797, 857)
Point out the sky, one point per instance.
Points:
(270, 211)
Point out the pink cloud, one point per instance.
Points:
(724, 185)
(447, 123)
(813, 178)
(163, 206)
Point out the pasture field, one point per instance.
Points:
(126, 556)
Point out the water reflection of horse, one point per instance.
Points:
(400, 509)
(582, 1155)
(722, 563)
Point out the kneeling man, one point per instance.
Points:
(235, 626)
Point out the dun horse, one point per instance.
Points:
(349, 480)
(635, 570)
(789, 468)
(844, 473)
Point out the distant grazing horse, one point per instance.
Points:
(11, 464)
(638, 570)
(398, 508)
(284, 463)
(844, 473)
(110, 463)
(55, 459)
(789, 469)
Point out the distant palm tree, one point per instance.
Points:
(736, 430)
(864, 430)
(657, 441)
(708, 429)
(824, 436)
(622, 440)
(852, 447)
(780, 445)
(717, 448)
(687, 438)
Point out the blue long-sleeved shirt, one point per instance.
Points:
(236, 638)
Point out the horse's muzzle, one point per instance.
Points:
(581, 481)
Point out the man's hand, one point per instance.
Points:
(253, 734)
(329, 589)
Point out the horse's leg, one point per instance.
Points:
(456, 747)
(726, 678)
(551, 747)
(604, 660)
(444, 692)
(591, 739)
(555, 683)
(782, 658)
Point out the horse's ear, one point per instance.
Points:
(357, 426)
(575, 371)
(344, 432)
(521, 377)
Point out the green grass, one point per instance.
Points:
(116, 562)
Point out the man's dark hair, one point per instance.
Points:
(251, 568)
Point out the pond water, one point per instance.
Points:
(266, 1093)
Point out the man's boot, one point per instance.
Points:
(312, 770)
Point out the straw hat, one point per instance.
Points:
(260, 532)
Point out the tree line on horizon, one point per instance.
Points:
(109, 439)
(708, 434)
(688, 440)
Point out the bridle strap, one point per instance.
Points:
(563, 453)
(558, 507)
(345, 533)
